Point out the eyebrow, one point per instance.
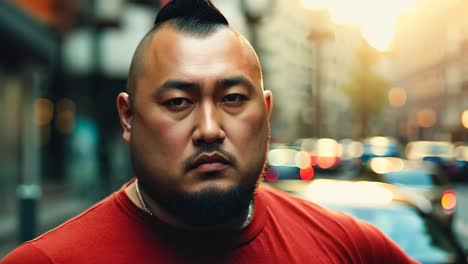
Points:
(177, 84)
(237, 80)
(187, 86)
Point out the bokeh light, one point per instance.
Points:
(384, 165)
(330, 192)
(426, 117)
(282, 157)
(65, 116)
(307, 174)
(449, 200)
(326, 162)
(302, 159)
(464, 118)
(397, 97)
(272, 175)
(44, 109)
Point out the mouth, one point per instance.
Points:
(210, 162)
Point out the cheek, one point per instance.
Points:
(163, 139)
(174, 138)
(249, 134)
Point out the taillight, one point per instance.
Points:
(449, 200)
(307, 174)
(326, 162)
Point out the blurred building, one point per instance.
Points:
(431, 65)
(289, 40)
(340, 61)
(286, 57)
(28, 53)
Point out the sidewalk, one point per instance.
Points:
(52, 212)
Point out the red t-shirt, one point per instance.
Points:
(284, 229)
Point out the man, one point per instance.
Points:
(196, 118)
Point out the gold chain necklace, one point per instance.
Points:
(140, 198)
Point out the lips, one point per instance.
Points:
(210, 162)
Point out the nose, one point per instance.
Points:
(208, 126)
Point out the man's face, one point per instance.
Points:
(199, 124)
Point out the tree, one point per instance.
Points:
(366, 89)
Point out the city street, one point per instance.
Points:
(330, 84)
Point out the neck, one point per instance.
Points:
(143, 201)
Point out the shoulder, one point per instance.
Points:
(355, 238)
(80, 229)
(26, 253)
(279, 201)
(293, 210)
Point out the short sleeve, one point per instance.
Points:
(26, 253)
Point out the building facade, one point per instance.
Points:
(431, 65)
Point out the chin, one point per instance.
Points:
(213, 203)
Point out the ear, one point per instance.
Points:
(268, 101)
(124, 106)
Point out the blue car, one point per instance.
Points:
(380, 147)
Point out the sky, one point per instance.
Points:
(376, 18)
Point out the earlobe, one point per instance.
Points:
(124, 108)
(268, 101)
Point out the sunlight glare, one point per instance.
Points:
(377, 19)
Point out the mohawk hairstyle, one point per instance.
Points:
(202, 10)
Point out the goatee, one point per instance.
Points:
(210, 207)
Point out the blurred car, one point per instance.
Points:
(441, 153)
(380, 147)
(351, 152)
(461, 162)
(325, 153)
(287, 162)
(403, 216)
(419, 176)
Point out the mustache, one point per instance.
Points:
(207, 149)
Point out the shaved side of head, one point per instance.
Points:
(137, 65)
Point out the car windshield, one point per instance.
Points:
(420, 237)
(412, 178)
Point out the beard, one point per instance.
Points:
(210, 207)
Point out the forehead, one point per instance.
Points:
(175, 54)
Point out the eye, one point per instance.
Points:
(178, 103)
(234, 98)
